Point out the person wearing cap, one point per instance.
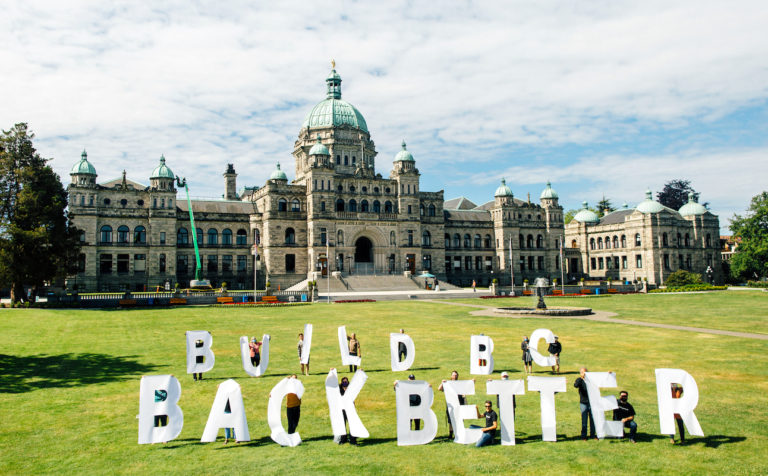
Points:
(505, 376)
(255, 347)
(527, 357)
(415, 401)
(554, 349)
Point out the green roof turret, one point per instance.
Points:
(334, 111)
(404, 155)
(649, 205)
(319, 149)
(83, 167)
(585, 215)
(278, 174)
(503, 190)
(162, 171)
(692, 208)
(548, 192)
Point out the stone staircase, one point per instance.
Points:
(363, 283)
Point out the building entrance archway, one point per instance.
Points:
(363, 250)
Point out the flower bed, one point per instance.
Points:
(355, 300)
(690, 288)
(497, 297)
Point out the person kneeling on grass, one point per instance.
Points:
(626, 414)
(491, 423)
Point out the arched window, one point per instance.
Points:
(608, 242)
(364, 206)
(122, 234)
(376, 206)
(242, 237)
(338, 160)
(392, 239)
(487, 241)
(521, 239)
(574, 244)
(139, 234)
(106, 234)
(339, 205)
(456, 241)
(213, 236)
(295, 205)
(478, 241)
(387, 207)
(256, 236)
(539, 241)
(467, 241)
(282, 205)
(426, 239)
(339, 238)
(623, 241)
(600, 243)
(431, 210)
(529, 241)
(591, 243)
(346, 160)
(290, 236)
(447, 239)
(664, 239)
(687, 240)
(182, 236)
(352, 205)
(226, 237)
(199, 233)
(709, 241)
(615, 241)
(638, 241)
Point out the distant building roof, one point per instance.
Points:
(217, 206)
(460, 203)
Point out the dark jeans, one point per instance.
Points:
(416, 424)
(586, 414)
(255, 360)
(293, 414)
(632, 428)
(681, 429)
(353, 368)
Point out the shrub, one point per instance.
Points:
(757, 284)
(689, 288)
(682, 277)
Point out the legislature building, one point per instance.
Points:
(338, 216)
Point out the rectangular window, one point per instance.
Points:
(638, 261)
(226, 263)
(182, 263)
(541, 262)
(323, 236)
(478, 262)
(139, 263)
(680, 261)
(457, 262)
(468, 262)
(410, 236)
(666, 261)
(600, 263)
(213, 263)
(105, 264)
(409, 208)
(488, 263)
(624, 262)
(616, 262)
(557, 262)
(242, 263)
(322, 206)
(290, 263)
(530, 263)
(447, 263)
(162, 237)
(608, 262)
(161, 264)
(427, 262)
(123, 263)
(592, 263)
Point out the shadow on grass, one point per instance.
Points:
(714, 441)
(20, 374)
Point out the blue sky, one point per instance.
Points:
(602, 98)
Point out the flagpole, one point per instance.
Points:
(511, 267)
(562, 265)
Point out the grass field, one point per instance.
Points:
(69, 383)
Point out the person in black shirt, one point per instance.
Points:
(454, 376)
(491, 423)
(555, 348)
(626, 413)
(402, 350)
(414, 401)
(586, 411)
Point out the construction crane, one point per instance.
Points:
(198, 283)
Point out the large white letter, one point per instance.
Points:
(245, 354)
(547, 386)
(338, 402)
(229, 392)
(506, 389)
(307, 343)
(481, 348)
(394, 351)
(683, 406)
(276, 396)
(158, 405)
(423, 411)
(200, 357)
(459, 413)
(549, 337)
(599, 404)
(346, 359)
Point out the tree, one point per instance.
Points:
(37, 243)
(751, 257)
(604, 207)
(675, 194)
(682, 277)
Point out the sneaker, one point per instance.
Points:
(633, 441)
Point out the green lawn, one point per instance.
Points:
(69, 384)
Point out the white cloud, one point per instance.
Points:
(212, 83)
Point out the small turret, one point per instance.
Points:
(83, 173)
(162, 177)
(230, 183)
(278, 175)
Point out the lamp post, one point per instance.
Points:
(327, 261)
(511, 268)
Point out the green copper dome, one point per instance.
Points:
(278, 174)
(649, 205)
(585, 215)
(692, 208)
(162, 170)
(333, 111)
(83, 167)
(404, 155)
(503, 190)
(548, 192)
(319, 149)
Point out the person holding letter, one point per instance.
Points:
(304, 367)
(554, 349)
(354, 349)
(527, 357)
(414, 401)
(626, 414)
(454, 376)
(677, 392)
(586, 409)
(292, 410)
(491, 423)
(402, 350)
(255, 347)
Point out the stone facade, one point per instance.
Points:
(338, 214)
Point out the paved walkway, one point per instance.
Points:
(605, 316)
